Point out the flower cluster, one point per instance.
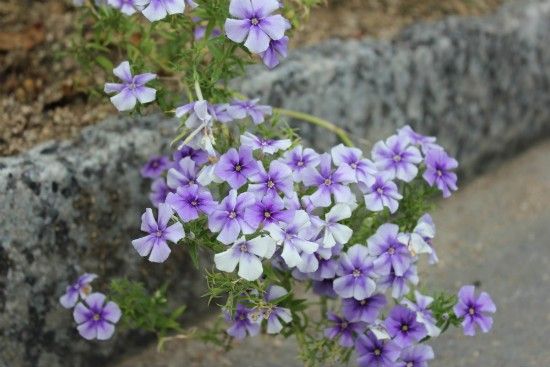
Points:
(95, 317)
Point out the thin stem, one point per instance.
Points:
(341, 133)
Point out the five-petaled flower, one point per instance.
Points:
(475, 311)
(95, 318)
(132, 88)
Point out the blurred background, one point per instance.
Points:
(474, 73)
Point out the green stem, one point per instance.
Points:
(341, 133)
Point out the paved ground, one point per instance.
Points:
(496, 230)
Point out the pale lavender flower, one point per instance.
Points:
(299, 159)
(200, 32)
(356, 274)
(304, 203)
(396, 157)
(183, 174)
(416, 356)
(295, 238)
(159, 9)
(255, 24)
(155, 243)
(277, 49)
(346, 331)
(80, 288)
(228, 217)
(242, 323)
(246, 254)
(399, 284)
(373, 352)
(266, 146)
(366, 310)
(381, 193)
(95, 318)
(328, 182)
(419, 240)
(241, 109)
(271, 209)
(200, 120)
(159, 191)
(274, 314)
(155, 166)
(475, 311)
(191, 201)
(426, 143)
(402, 326)
(132, 88)
(438, 171)
(127, 7)
(219, 111)
(352, 162)
(199, 156)
(235, 167)
(277, 179)
(389, 252)
(334, 232)
(424, 315)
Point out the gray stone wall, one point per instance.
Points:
(482, 85)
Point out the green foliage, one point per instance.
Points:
(442, 309)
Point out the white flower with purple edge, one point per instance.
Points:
(334, 232)
(132, 89)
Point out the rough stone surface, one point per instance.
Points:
(481, 85)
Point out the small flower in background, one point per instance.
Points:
(334, 232)
(275, 314)
(198, 156)
(266, 146)
(416, 356)
(80, 288)
(95, 318)
(396, 157)
(424, 315)
(159, 9)
(191, 201)
(235, 166)
(255, 24)
(366, 310)
(127, 7)
(132, 88)
(155, 244)
(438, 171)
(200, 120)
(389, 252)
(155, 166)
(356, 273)
(299, 159)
(200, 30)
(474, 310)
(373, 352)
(247, 255)
(402, 326)
(399, 284)
(425, 143)
(277, 50)
(183, 174)
(344, 330)
(352, 162)
(241, 109)
(271, 209)
(228, 217)
(159, 191)
(219, 111)
(381, 193)
(270, 183)
(242, 323)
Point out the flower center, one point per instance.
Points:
(238, 167)
(409, 364)
(254, 21)
(194, 203)
(363, 302)
(267, 214)
(328, 181)
(379, 190)
(191, 182)
(244, 248)
(270, 184)
(232, 215)
(300, 163)
(155, 164)
(86, 289)
(96, 317)
(242, 317)
(356, 273)
(405, 327)
(377, 352)
(471, 311)
(344, 325)
(439, 173)
(397, 158)
(353, 165)
(264, 143)
(391, 250)
(158, 233)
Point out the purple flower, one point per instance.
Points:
(274, 314)
(235, 167)
(132, 88)
(334, 232)
(277, 49)
(396, 157)
(183, 174)
(382, 192)
(402, 326)
(243, 324)
(423, 313)
(399, 284)
(159, 9)
(155, 166)
(199, 156)
(190, 201)
(426, 143)
(355, 274)
(372, 352)
(271, 209)
(438, 171)
(298, 159)
(159, 191)
(365, 310)
(81, 287)
(127, 7)
(277, 179)
(324, 288)
(328, 182)
(241, 109)
(352, 162)
(228, 217)
(219, 111)
(266, 146)
(390, 253)
(154, 244)
(95, 318)
(255, 24)
(247, 255)
(343, 329)
(416, 356)
(295, 237)
(474, 310)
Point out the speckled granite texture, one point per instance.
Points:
(482, 85)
